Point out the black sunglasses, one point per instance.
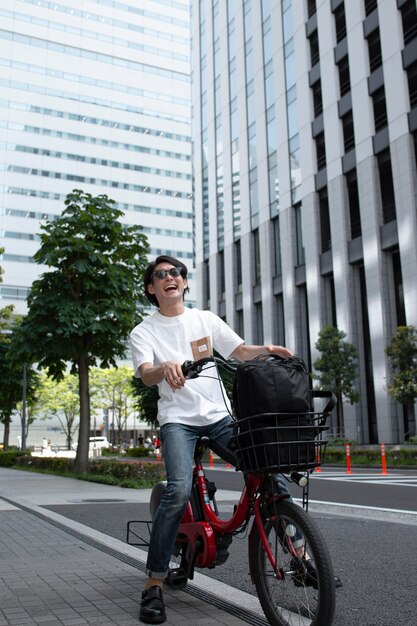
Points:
(173, 271)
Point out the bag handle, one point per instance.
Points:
(318, 393)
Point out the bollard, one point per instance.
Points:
(211, 459)
(383, 459)
(317, 469)
(348, 461)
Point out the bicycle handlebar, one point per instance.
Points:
(192, 369)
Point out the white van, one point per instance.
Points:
(95, 443)
(99, 442)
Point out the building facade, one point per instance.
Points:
(95, 95)
(305, 187)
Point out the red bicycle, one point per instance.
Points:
(289, 561)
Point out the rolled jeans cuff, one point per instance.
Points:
(156, 575)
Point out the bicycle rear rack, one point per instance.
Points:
(133, 538)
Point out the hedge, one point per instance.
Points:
(137, 474)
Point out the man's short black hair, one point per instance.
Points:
(147, 277)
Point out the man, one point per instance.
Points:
(187, 409)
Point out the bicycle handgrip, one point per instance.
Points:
(186, 369)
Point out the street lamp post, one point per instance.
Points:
(114, 387)
(23, 440)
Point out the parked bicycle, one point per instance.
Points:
(289, 561)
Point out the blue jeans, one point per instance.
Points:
(178, 442)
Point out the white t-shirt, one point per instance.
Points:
(188, 336)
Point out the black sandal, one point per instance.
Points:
(152, 608)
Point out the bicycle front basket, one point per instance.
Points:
(280, 442)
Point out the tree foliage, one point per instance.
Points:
(82, 309)
(146, 401)
(402, 356)
(11, 378)
(113, 393)
(60, 399)
(338, 368)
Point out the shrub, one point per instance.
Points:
(341, 441)
(138, 452)
(8, 457)
(140, 472)
(56, 465)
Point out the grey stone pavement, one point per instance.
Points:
(54, 570)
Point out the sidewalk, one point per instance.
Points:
(56, 571)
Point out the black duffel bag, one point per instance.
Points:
(275, 429)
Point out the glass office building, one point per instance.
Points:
(95, 95)
(304, 153)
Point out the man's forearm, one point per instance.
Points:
(244, 352)
(151, 374)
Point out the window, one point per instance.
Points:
(398, 289)
(317, 99)
(370, 5)
(348, 131)
(354, 209)
(374, 49)
(380, 109)
(259, 330)
(311, 7)
(412, 84)
(206, 270)
(273, 184)
(280, 320)
(238, 263)
(340, 22)
(320, 151)
(409, 19)
(250, 102)
(299, 247)
(314, 48)
(253, 191)
(277, 248)
(344, 76)
(256, 258)
(386, 187)
(222, 283)
(326, 238)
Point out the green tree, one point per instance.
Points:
(12, 389)
(60, 399)
(6, 407)
(82, 309)
(338, 369)
(402, 357)
(114, 393)
(12, 377)
(146, 401)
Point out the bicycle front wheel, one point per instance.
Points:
(300, 590)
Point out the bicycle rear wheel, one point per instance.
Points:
(300, 595)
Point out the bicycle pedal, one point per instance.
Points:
(176, 578)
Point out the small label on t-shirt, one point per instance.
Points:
(201, 348)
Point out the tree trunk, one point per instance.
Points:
(340, 416)
(409, 421)
(6, 434)
(81, 459)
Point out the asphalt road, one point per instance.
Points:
(373, 549)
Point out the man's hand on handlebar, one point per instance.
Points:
(173, 374)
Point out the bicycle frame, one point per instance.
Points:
(200, 535)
